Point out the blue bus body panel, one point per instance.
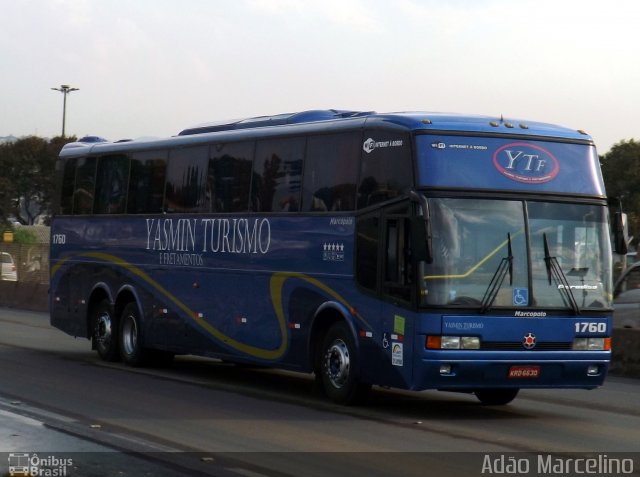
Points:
(217, 277)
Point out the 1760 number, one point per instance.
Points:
(587, 327)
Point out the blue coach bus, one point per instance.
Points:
(411, 250)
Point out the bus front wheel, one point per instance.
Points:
(338, 367)
(104, 326)
(496, 397)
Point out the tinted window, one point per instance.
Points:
(367, 251)
(386, 167)
(331, 172)
(277, 175)
(230, 176)
(146, 185)
(85, 186)
(186, 180)
(111, 185)
(68, 185)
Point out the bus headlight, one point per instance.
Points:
(470, 342)
(450, 342)
(591, 344)
(453, 342)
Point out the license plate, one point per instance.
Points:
(524, 372)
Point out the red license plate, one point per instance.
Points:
(524, 372)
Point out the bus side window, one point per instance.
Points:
(186, 180)
(146, 185)
(112, 181)
(85, 186)
(277, 175)
(386, 170)
(331, 172)
(367, 241)
(397, 263)
(229, 176)
(68, 185)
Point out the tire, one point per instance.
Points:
(130, 336)
(338, 367)
(131, 340)
(104, 331)
(496, 397)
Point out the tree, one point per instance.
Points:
(621, 171)
(27, 181)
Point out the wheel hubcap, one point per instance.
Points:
(337, 363)
(130, 335)
(103, 329)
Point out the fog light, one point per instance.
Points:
(445, 369)
(593, 370)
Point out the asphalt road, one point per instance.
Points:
(204, 417)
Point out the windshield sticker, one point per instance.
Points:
(520, 296)
(527, 163)
(578, 287)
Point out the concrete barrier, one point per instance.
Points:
(626, 352)
(31, 296)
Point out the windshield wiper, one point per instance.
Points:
(554, 271)
(505, 266)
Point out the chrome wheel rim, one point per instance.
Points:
(103, 332)
(337, 363)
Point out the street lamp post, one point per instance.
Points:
(65, 89)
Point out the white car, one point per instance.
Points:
(9, 271)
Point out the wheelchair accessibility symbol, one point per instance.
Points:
(520, 296)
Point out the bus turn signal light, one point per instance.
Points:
(433, 342)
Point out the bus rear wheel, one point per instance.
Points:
(496, 397)
(131, 337)
(104, 334)
(338, 364)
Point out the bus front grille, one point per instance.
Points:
(518, 346)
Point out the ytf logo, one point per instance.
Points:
(526, 163)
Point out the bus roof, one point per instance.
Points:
(335, 120)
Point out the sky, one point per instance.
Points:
(150, 68)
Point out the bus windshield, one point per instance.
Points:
(554, 255)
